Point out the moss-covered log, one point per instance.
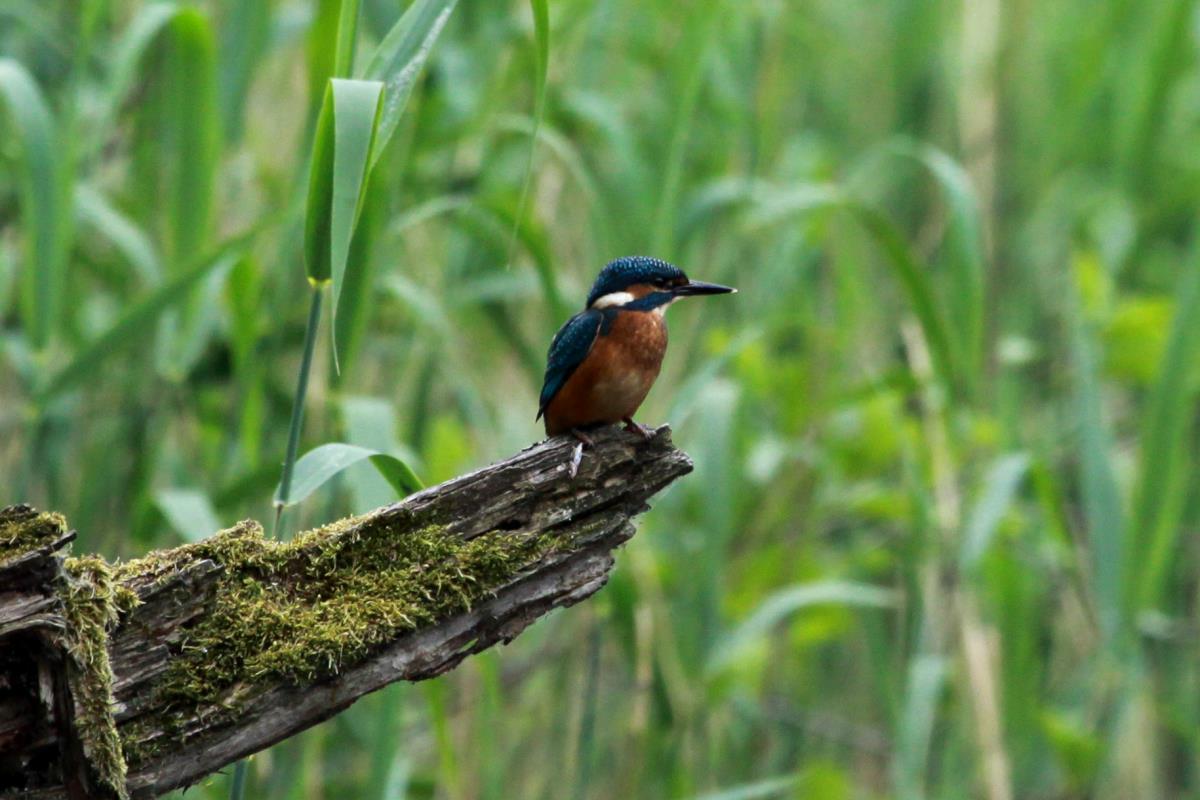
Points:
(137, 678)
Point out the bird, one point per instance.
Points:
(603, 361)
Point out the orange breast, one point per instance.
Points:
(616, 376)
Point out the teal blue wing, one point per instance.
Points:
(570, 347)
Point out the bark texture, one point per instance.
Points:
(44, 751)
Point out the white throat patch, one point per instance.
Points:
(613, 299)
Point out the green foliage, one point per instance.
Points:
(189, 511)
(322, 463)
(399, 59)
(938, 533)
(179, 118)
(90, 356)
(337, 184)
(788, 601)
(1157, 516)
(355, 118)
(45, 219)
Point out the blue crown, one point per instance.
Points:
(619, 275)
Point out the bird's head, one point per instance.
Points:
(645, 284)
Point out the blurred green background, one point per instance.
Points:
(940, 538)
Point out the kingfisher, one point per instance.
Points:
(603, 361)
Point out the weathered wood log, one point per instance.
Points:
(220, 649)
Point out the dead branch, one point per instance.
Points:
(484, 555)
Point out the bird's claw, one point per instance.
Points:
(639, 429)
(585, 441)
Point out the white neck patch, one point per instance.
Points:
(613, 299)
(662, 310)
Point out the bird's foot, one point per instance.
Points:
(577, 453)
(639, 429)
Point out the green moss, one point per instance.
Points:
(308, 608)
(92, 603)
(23, 531)
(295, 611)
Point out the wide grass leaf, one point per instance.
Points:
(357, 298)
(541, 35)
(568, 153)
(44, 218)
(690, 57)
(759, 790)
(347, 37)
(786, 602)
(1000, 487)
(128, 52)
(1165, 465)
(192, 115)
(189, 511)
(371, 422)
(244, 34)
(965, 241)
(388, 766)
(1102, 505)
(320, 464)
(399, 59)
(95, 212)
(356, 111)
(168, 58)
(1157, 61)
(914, 277)
(926, 681)
(338, 181)
(912, 273)
(136, 324)
(175, 45)
(318, 209)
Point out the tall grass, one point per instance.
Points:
(938, 540)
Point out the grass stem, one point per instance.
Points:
(237, 789)
(238, 786)
(289, 461)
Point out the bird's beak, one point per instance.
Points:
(700, 287)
